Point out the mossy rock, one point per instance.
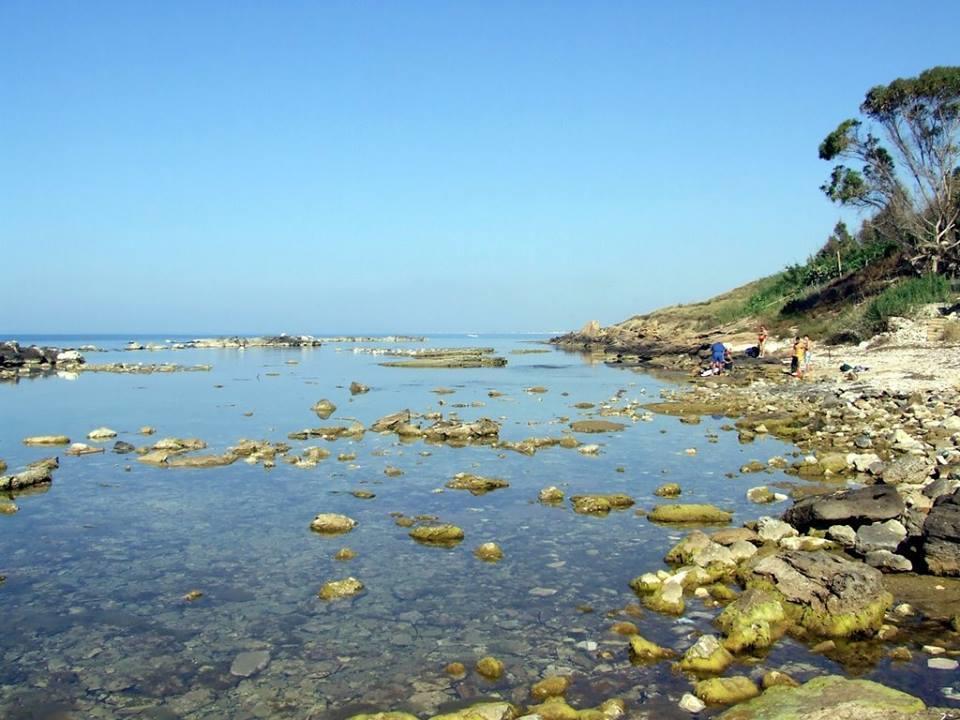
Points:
(337, 589)
(667, 599)
(955, 623)
(482, 711)
(644, 650)
(490, 667)
(600, 504)
(683, 552)
(554, 686)
(755, 620)
(668, 490)
(775, 678)
(691, 513)
(489, 552)
(828, 698)
(726, 690)
(443, 535)
(476, 484)
(706, 655)
(384, 716)
(646, 583)
(596, 426)
(332, 524)
(551, 495)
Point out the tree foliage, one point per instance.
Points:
(907, 165)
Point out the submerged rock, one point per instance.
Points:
(551, 495)
(482, 711)
(437, 534)
(691, 513)
(332, 524)
(358, 388)
(324, 408)
(600, 504)
(644, 650)
(490, 667)
(554, 686)
(476, 484)
(489, 552)
(596, 426)
(200, 461)
(248, 664)
(337, 589)
(47, 440)
(668, 490)
(830, 698)
(344, 554)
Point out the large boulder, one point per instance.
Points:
(907, 469)
(846, 507)
(821, 593)
(830, 698)
(941, 536)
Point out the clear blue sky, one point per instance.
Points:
(419, 166)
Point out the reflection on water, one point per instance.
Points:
(97, 565)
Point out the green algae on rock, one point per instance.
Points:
(551, 495)
(384, 716)
(482, 711)
(476, 484)
(337, 589)
(644, 650)
(600, 504)
(755, 620)
(596, 426)
(690, 513)
(553, 686)
(489, 552)
(829, 698)
(726, 690)
(706, 655)
(445, 535)
(490, 667)
(668, 490)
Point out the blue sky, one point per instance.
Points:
(419, 166)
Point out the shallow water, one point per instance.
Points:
(94, 621)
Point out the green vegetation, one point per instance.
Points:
(903, 298)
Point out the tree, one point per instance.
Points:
(909, 155)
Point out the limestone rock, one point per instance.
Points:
(553, 686)
(754, 620)
(358, 388)
(880, 536)
(706, 655)
(887, 561)
(332, 524)
(846, 507)
(772, 530)
(907, 469)
(101, 433)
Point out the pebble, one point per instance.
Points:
(691, 703)
(249, 663)
(942, 664)
(543, 592)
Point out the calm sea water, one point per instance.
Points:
(94, 621)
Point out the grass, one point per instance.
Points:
(903, 298)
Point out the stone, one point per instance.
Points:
(344, 554)
(482, 711)
(644, 650)
(193, 595)
(122, 448)
(553, 686)
(729, 536)
(146, 430)
(332, 524)
(942, 664)
(775, 678)
(691, 703)
(392, 422)
(823, 593)
(47, 440)
(668, 490)
(940, 546)
(175, 460)
(600, 504)
(445, 535)
(754, 466)
(880, 536)
(862, 462)
(835, 463)
(691, 513)
(358, 388)
(907, 469)
(490, 667)
(249, 663)
(905, 442)
(82, 449)
(706, 655)
(338, 589)
(742, 550)
(8, 507)
(726, 690)
(761, 495)
(754, 620)
(324, 408)
(772, 530)
(36, 473)
(551, 495)
(101, 433)
(456, 670)
(887, 561)
(683, 552)
(846, 507)
(829, 698)
(476, 484)
(489, 552)
(842, 535)
(596, 426)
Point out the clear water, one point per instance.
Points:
(95, 627)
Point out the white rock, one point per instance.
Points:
(769, 528)
(942, 663)
(102, 433)
(691, 703)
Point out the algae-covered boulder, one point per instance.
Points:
(556, 708)
(337, 589)
(683, 552)
(332, 524)
(553, 686)
(476, 484)
(490, 667)
(668, 490)
(384, 716)
(437, 534)
(754, 620)
(690, 513)
(706, 655)
(830, 698)
(726, 690)
(822, 593)
(644, 650)
(667, 598)
(489, 552)
(551, 495)
(482, 711)
(600, 504)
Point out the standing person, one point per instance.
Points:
(796, 359)
(807, 344)
(761, 340)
